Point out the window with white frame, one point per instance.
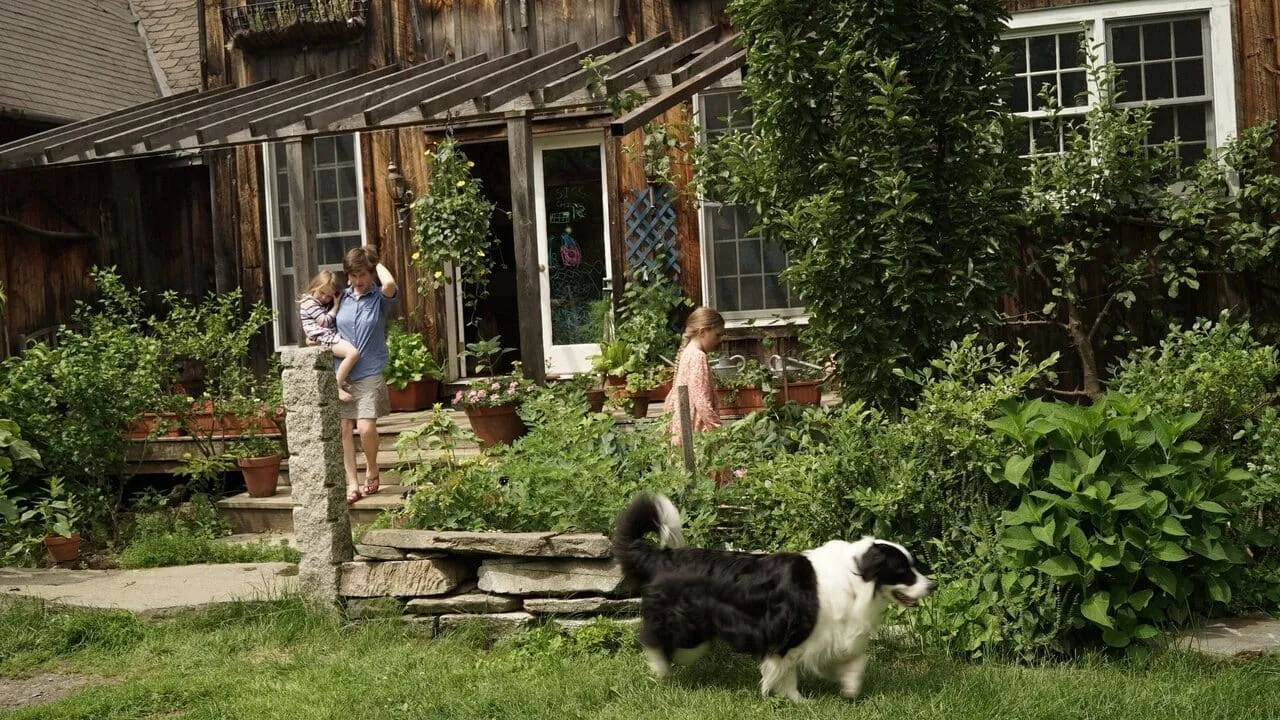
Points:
(339, 219)
(742, 269)
(1175, 55)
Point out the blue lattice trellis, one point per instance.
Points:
(651, 232)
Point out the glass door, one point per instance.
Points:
(573, 247)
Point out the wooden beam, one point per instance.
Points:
(541, 77)
(659, 62)
(294, 105)
(39, 140)
(527, 257)
(84, 140)
(185, 128)
(300, 154)
(712, 55)
(351, 101)
(623, 58)
(407, 99)
(676, 95)
(133, 135)
(476, 88)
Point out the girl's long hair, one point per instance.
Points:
(702, 318)
(324, 280)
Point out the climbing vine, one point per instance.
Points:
(451, 223)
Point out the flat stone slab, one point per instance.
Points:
(401, 578)
(528, 544)
(1233, 637)
(155, 589)
(494, 622)
(379, 552)
(551, 577)
(572, 624)
(467, 603)
(583, 606)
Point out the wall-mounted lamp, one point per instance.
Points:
(401, 194)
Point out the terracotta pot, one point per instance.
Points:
(417, 395)
(146, 422)
(63, 549)
(496, 425)
(614, 381)
(660, 393)
(804, 392)
(639, 404)
(745, 400)
(261, 474)
(595, 398)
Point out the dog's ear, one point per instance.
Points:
(871, 562)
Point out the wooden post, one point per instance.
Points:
(617, 224)
(528, 262)
(302, 212)
(686, 430)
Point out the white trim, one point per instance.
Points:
(565, 359)
(1220, 50)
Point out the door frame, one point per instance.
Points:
(566, 359)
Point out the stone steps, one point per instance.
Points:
(275, 514)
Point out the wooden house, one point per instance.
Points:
(353, 93)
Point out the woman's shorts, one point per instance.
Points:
(369, 399)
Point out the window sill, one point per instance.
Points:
(770, 322)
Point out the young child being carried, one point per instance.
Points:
(318, 308)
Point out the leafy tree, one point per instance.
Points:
(876, 158)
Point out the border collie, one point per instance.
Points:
(815, 610)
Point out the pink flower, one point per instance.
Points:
(495, 386)
(739, 472)
(457, 396)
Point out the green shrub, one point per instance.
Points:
(574, 470)
(1122, 512)
(1216, 369)
(188, 535)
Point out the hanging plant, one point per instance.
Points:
(451, 223)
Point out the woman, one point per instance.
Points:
(362, 319)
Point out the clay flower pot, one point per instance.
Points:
(496, 425)
(417, 395)
(595, 398)
(804, 392)
(63, 549)
(261, 474)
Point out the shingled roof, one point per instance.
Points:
(69, 60)
(173, 31)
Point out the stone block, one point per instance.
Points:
(583, 606)
(493, 622)
(572, 624)
(405, 578)
(377, 552)
(466, 603)
(306, 357)
(557, 577)
(526, 544)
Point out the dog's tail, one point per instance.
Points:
(647, 513)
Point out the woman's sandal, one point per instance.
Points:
(371, 484)
(353, 496)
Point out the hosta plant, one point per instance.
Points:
(1122, 512)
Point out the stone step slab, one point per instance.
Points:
(402, 578)
(583, 606)
(466, 603)
(492, 622)
(526, 544)
(504, 576)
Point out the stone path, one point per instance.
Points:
(1233, 638)
(152, 591)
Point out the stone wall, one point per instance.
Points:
(507, 580)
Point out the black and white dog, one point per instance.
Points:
(815, 610)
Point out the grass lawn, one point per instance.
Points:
(277, 660)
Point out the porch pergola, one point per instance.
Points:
(512, 91)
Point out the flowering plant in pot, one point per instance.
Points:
(742, 392)
(412, 373)
(258, 457)
(59, 511)
(491, 402)
(639, 385)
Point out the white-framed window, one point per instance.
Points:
(1175, 55)
(339, 218)
(741, 269)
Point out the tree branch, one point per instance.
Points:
(41, 232)
(1068, 393)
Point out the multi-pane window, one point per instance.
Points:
(1162, 61)
(338, 229)
(743, 268)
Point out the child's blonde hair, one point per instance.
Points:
(324, 280)
(702, 318)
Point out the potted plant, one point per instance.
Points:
(59, 512)
(412, 373)
(614, 362)
(801, 385)
(258, 457)
(639, 385)
(742, 392)
(491, 403)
